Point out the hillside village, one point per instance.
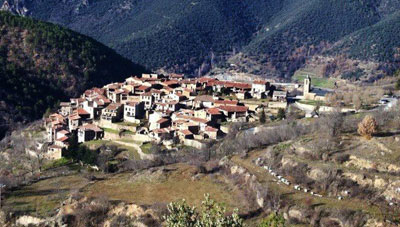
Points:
(165, 109)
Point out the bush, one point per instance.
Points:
(180, 214)
(273, 220)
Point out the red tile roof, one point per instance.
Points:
(175, 75)
(65, 132)
(211, 129)
(186, 132)
(226, 102)
(239, 109)
(113, 106)
(262, 82)
(62, 139)
(142, 88)
(205, 79)
(213, 111)
(90, 127)
(74, 117)
(131, 103)
(81, 111)
(204, 98)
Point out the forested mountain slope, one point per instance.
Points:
(193, 36)
(42, 63)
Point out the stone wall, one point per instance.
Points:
(136, 137)
(117, 127)
(194, 143)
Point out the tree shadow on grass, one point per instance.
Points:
(28, 193)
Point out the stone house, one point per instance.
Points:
(279, 96)
(212, 133)
(54, 152)
(74, 121)
(112, 113)
(89, 132)
(184, 134)
(233, 113)
(65, 108)
(259, 89)
(148, 100)
(133, 111)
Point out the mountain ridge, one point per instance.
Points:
(193, 37)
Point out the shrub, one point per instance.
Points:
(281, 114)
(180, 214)
(273, 220)
(367, 127)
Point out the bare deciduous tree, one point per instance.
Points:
(367, 127)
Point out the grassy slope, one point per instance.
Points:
(44, 197)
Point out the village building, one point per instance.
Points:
(184, 134)
(203, 101)
(234, 113)
(259, 89)
(74, 120)
(89, 132)
(62, 142)
(175, 76)
(65, 108)
(162, 134)
(112, 113)
(161, 123)
(134, 111)
(54, 152)
(148, 100)
(279, 96)
(142, 89)
(243, 95)
(212, 133)
(312, 94)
